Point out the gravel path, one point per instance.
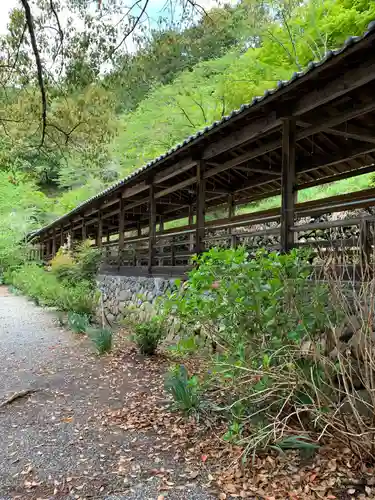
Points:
(53, 445)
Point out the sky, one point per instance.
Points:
(154, 8)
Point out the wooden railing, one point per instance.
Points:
(331, 239)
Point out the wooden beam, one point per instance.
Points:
(128, 192)
(176, 169)
(288, 184)
(255, 129)
(176, 187)
(302, 134)
(200, 207)
(352, 132)
(350, 78)
(337, 177)
(152, 228)
(249, 168)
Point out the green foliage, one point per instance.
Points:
(102, 339)
(78, 323)
(81, 264)
(21, 210)
(260, 310)
(148, 335)
(233, 434)
(184, 389)
(265, 299)
(44, 287)
(295, 443)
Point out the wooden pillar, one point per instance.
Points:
(161, 230)
(231, 214)
(152, 229)
(61, 236)
(121, 230)
(50, 244)
(99, 237)
(365, 246)
(139, 230)
(83, 229)
(201, 208)
(190, 222)
(288, 179)
(71, 232)
(54, 243)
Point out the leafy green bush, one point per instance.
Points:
(102, 338)
(79, 265)
(184, 389)
(149, 334)
(44, 288)
(259, 310)
(267, 300)
(78, 323)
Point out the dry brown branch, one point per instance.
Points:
(17, 395)
(31, 30)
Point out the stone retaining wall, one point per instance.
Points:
(125, 296)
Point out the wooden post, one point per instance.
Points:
(288, 177)
(231, 213)
(50, 248)
(54, 243)
(61, 236)
(161, 230)
(173, 252)
(201, 208)
(190, 222)
(121, 229)
(139, 230)
(365, 247)
(71, 232)
(84, 233)
(152, 229)
(99, 238)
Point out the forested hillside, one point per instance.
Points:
(105, 112)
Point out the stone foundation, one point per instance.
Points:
(133, 298)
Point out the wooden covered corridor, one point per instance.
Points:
(316, 128)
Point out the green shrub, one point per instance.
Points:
(149, 334)
(102, 338)
(79, 265)
(45, 288)
(238, 301)
(78, 323)
(88, 260)
(259, 310)
(184, 389)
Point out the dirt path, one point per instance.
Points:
(53, 442)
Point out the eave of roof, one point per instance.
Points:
(198, 136)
